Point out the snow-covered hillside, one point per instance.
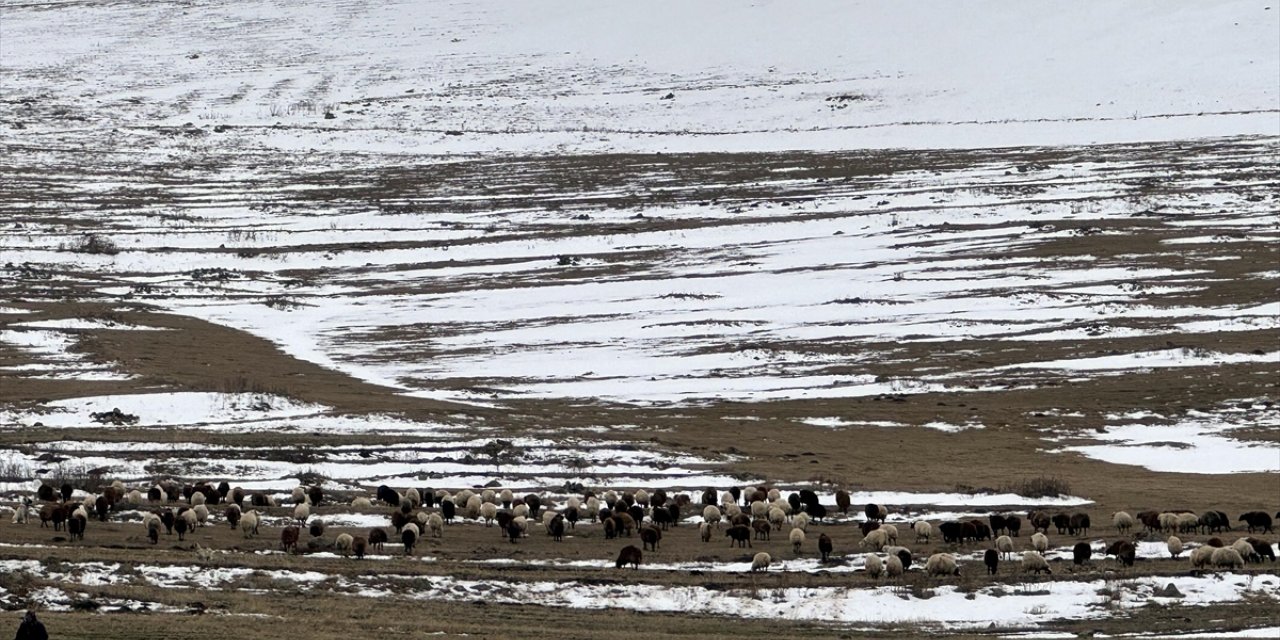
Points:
(433, 77)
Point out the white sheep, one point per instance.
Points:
(593, 508)
(436, 524)
(462, 497)
(134, 497)
(343, 543)
(923, 530)
(249, 523)
(1040, 542)
(202, 514)
(1201, 557)
(641, 497)
(573, 503)
(523, 523)
(80, 512)
(301, 512)
(774, 495)
(506, 497)
(893, 565)
(1175, 546)
(890, 531)
(488, 496)
(1032, 561)
(942, 564)
(1188, 522)
(521, 510)
(547, 516)
(776, 517)
(488, 511)
(732, 509)
(414, 497)
(1122, 521)
(198, 498)
(894, 549)
(797, 538)
(1243, 548)
(704, 530)
(422, 517)
(361, 502)
(1004, 544)
(1227, 557)
(1168, 521)
(472, 509)
(874, 566)
(801, 521)
(711, 514)
(781, 504)
(760, 510)
(875, 540)
(299, 495)
(610, 498)
(761, 562)
(190, 516)
(726, 498)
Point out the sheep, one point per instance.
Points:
(868, 527)
(103, 507)
(1214, 542)
(388, 495)
(923, 530)
(1004, 546)
(825, 546)
(473, 506)
(409, 538)
(731, 509)
(1262, 549)
(449, 509)
(298, 496)
(797, 539)
(153, 527)
(289, 539)
(873, 565)
(649, 538)
(642, 497)
(951, 532)
(167, 518)
(1202, 556)
(872, 512)
(997, 522)
(76, 525)
(1062, 521)
(1122, 521)
(1244, 548)
(1175, 546)
(843, 501)
(593, 507)
(413, 497)
(556, 529)
(1079, 525)
(520, 510)
(134, 497)
(232, 514)
(762, 529)
(359, 546)
(1124, 551)
(317, 528)
(1081, 553)
(361, 502)
(711, 514)
(1188, 522)
(1256, 520)
(21, 512)
(249, 523)
(629, 555)
(1032, 561)
(892, 533)
(521, 524)
(1040, 542)
(816, 511)
(990, 557)
(738, 535)
(398, 520)
(436, 524)
(201, 514)
(301, 513)
(1227, 557)
(181, 526)
(801, 522)
(893, 566)
(704, 531)
(343, 543)
(759, 510)
(942, 564)
(761, 562)
(876, 540)
(1013, 524)
(488, 511)
(506, 497)
(1168, 521)
(378, 538)
(198, 498)
(1212, 522)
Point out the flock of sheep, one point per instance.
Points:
(742, 515)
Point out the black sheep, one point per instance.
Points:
(572, 515)
(556, 528)
(629, 555)
(1081, 553)
(166, 518)
(377, 537)
(1124, 551)
(535, 503)
(649, 537)
(409, 538)
(388, 495)
(674, 510)
(67, 490)
(1257, 520)
(739, 535)
(1063, 522)
(998, 524)
(824, 546)
(76, 526)
(951, 532)
(1079, 524)
(1013, 524)
(794, 501)
(709, 497)
(448, 510)
(992, 559)
(815, 511)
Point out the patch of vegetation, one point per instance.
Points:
(1039, 487)
(92, 243)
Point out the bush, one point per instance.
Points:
(95, 244)
(1041, 487)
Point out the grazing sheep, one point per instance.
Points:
(556, 529)
(801, 522)
(103, 507)
(872, 512)
(876, 540)
(952, 532)
(301, 513)
(1201, 557)
(759, 510)
(892, 533)
(1214, 542)
(1032, 561)
(797, 539)
(436, 524)
(942, 564)
(641, 497)
(201, 512)
(378, 538)
(343, 543)
(181, 526)
(153, 528)
(1256, 520)
(1063, 522)
(412, 495)
(473, 507)
(1175, 546)
(249, 523)
(521, 524)
(868, 526)
(904, 558)
(704, 531)
(893, 566)
(762, 529)
(825, 546)
(738, 535)
(629, 555)
(711, 514)
(1227, 557)
(1040, 521)
(991, 558)
(923, 530)
(761, 562)
(76, 525)
(489, 511)
(1079, 525)
(388, 495)
(359, 546)
(1081, 553)
(198, 498)
(232, 514)
(317, 528)
(1122, 521)
(842, 501)
(1124, 551)
(816, 511)
(649, 538)
(874, 566)
(1188, 522)
(1212, 522)
(409, 538)
(1040, 542)
(1245, 549)
(289, 539)
(1168, 521)
(1004, 545)
(449, 510)
(731, 509)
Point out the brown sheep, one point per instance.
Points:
(649, 537)
(762, 529)
(629, 555)
(359, 546)
(377, 537)
(738, 535)
(825, 546)
(288, 539)
(842, 501)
